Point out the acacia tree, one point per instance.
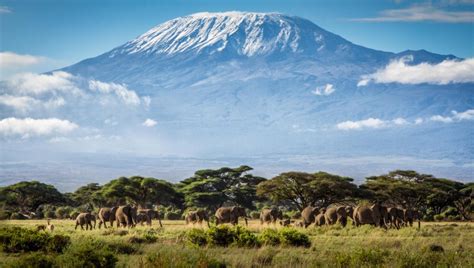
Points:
(300, 189)
(29, 195)
(213, 188)
(89, 194)
(141, 191)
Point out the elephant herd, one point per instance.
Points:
(125, 216)
(376, 214)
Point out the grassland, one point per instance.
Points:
(434, 245)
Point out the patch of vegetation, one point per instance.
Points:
(16, 239)
(87, 253)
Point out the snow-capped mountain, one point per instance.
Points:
(270, 86)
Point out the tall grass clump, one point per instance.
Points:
(87, 252)
(17, 239)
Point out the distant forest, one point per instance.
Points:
(435, 198)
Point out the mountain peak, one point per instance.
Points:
(237, 33)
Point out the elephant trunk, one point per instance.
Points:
(246, 222)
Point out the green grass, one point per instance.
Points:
(333, 246)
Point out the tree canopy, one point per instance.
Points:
(29, 195)
(216, 187)
(300, 189)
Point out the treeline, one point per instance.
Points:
(435, 198)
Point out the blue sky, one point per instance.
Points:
(64, 32)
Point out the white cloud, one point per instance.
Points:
(37, 84)
(5, 9)
(424, 12)
(28, 127)
(439, 118)
(12, 60)
(129, 97)
(466, 115)
(456, 117)
(146, 101)
(398, 71)
(367, 123)
(400, 121)
(149, 123)
(326, 90)
(23, 104)
(418, 121)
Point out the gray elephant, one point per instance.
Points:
(375, 215)
(335, 215)
(270, 215)
(197, 216)
(146, 215)
(107, 215)
(350, 212)
(309, 214)
(85, 219)
(230, 215)
(395, 217)
(410, 215)
(126, 216)
(319, 219)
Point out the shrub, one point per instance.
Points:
(18, 239)
(17, 216)
(197, 237)
(292, 237)
(255, 215)
(245, 238)
(183, 257)
(438, 217)
(63, 212)
(122, 248)
(35, 259)
(270, 237)
(87, 253)
(222, 235)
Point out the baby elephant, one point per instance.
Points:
(84, 219)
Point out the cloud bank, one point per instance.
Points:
(38, 84)
(29, 127)
(13, 60)
(419, 13)
(129, 97)
(445, 72)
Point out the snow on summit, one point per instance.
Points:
(239, 32)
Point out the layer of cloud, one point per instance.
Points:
(129, 97)
(37, 84)
(326, 90)
(29, 127)
(24, 104)
(149, 123)
(361, 124)
(399, 71)
(455, 117)
(424, 12)
(11, 60)
(5, 9)
(374, 123)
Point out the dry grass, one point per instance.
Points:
(331, 246)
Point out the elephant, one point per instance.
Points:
(197, 216)
(409, 215)
(319, 219)
(84, 219)
(336, 214)
(230, 215)
(146, 215)
(268, 215)
(126, 216)
(308, 214)
(107, 215)
(395, 217)
(376, 215)
(350, 212)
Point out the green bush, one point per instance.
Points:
(221, 235)
(183, 257)
(87, 253)
(292, 237)
(5, 214)
(16, 239)
(17, 216)
(245, 238)
(63, 212)
(122, 248)
(438, 217)
(270, 237)
(197, 237)
(33, 260)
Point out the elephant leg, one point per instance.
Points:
(75, 228)
(100, 224)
